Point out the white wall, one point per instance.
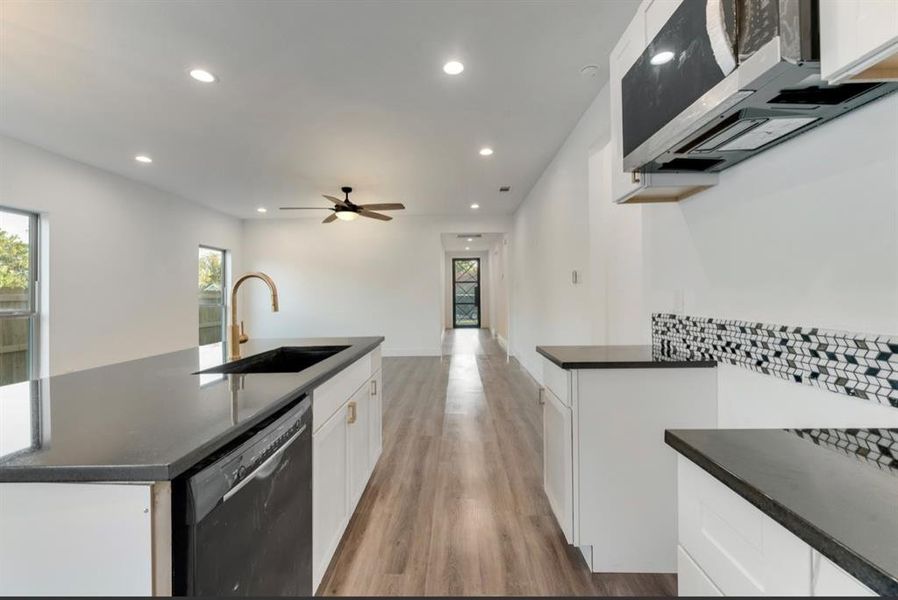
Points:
(550, 239)
(486, 284)
(121, 258)
(360, 278)
(803, 234)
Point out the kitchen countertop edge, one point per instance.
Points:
(547, 352)
(852, 563)
(166, 472)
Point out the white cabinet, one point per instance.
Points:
(359, 419)
(858, 40)
(830, 580)
(608, 475)
(729, 546)
(376, 436)
(330, 489)
(691, 580)
(558, 477)
(346, 444)
(742, 550)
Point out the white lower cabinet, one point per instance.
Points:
(330, 489)
(830, 580)
(691, 580)
(728, 544)
(558, 471)
(345, 448)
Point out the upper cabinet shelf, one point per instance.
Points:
(858, 40)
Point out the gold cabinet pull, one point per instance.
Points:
(352, 413)
(373, 387)
(635, 176)
(539, 396)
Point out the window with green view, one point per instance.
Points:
(18, 296)
(212, 291)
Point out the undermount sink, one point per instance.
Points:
(287, 359)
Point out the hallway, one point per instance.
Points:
(456, 505)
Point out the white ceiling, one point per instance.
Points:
(458, 242)
(312, 95)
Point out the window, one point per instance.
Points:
(18, 296)
(212, 290)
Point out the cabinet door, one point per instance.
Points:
(628, 49)
(359, 420)
(376, 438)
(691, 580)
(558, 457)
(330, 489)
(830, 580)
(858, 40)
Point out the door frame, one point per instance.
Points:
(477, 295)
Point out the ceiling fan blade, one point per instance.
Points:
(388, 206)
(336, 201)
(330, 218)
(374, 215)
(306, 208)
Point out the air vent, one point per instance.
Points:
(505, 188)
(469, 235)
(822, 95)
(690, 164)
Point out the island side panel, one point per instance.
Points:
(627, 475)
(68, 539)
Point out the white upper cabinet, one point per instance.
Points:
(858, 40)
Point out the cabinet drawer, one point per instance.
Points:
(830, 580)
(742, 550)
(558, 380)
(691, 580)
(334, 392)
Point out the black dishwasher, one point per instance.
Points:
(247, 514)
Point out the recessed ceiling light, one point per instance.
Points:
(470, 240)
(262, 209)
(467, 247)
(486, 152)
(143, 158)
(589, 71)
(453, 67)
(203, 76)
(665, 56)
(475, 206)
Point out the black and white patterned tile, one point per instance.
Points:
(878, 447)
(859, 365)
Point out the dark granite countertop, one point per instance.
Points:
(617, 357)
(835, 489)
(149, 419)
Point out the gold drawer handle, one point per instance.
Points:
(352, 413)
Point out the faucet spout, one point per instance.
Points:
(238, 335)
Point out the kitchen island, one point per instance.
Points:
(88, 458)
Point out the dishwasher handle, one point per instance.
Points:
(266, 468)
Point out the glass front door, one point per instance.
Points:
(466, 292)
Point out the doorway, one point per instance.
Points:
(466, 292)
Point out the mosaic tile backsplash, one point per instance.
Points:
(878, 447)
(860, 365)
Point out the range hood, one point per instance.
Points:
(744, 77)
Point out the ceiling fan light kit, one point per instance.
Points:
(346, 210)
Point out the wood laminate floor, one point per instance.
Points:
(455, 505)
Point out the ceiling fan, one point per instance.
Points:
(346, 210)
